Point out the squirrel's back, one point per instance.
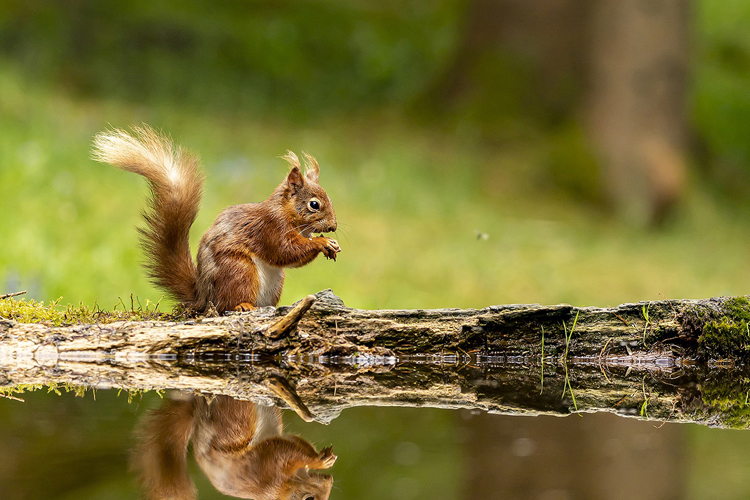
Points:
(176, 184)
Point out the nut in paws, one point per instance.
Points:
(326, 457)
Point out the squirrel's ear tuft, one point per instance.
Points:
(312, 170)
(295, 181)
(291, 159)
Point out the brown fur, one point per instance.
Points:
(242, 255)
(238, 445)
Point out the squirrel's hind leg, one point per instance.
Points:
(236, 282)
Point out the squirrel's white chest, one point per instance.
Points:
(268, 423)
(270, 282)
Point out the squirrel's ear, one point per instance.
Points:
(312, 169)
(295, 181)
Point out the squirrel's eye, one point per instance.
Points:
(314, 205)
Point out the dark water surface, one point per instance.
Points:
(67, 447)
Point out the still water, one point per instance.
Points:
(59, 446)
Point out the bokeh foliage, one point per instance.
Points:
(299, 58)
(721, 101)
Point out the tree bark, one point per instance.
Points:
(665, 360)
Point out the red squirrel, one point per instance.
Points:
(239, 446)
(241, 258)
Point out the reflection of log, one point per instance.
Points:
(657, 359)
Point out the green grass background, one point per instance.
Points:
(411, 202)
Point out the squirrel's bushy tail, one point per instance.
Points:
(160, 458)
(176, 187)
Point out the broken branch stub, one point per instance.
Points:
(288, 323)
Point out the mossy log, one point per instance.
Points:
(677, 360)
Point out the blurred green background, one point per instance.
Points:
(468, 147)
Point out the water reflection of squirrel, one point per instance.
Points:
(239, 446)
(242, 256)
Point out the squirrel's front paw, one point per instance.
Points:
(325, 459)
(331, 248)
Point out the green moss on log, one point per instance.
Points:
(727, 332)
(31, 311)
(727, 396)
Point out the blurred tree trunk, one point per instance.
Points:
(620, 66)
(636, 102)
(586, 457)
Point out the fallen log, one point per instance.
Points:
(681, 360)
(702, 329)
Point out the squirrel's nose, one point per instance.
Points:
(331, 228)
